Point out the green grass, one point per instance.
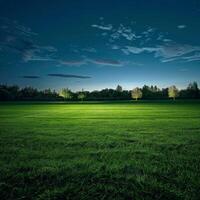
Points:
(100, 151)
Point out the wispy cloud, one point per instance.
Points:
(137, 50)
(167, 40)
(176, 52)
(147, 33)
(165, 49)
(103, 27)
(125, 32)
(39, 53)
(195, 57)
(182, 26)
(30, 77)
(13, 26)
(103, 62)
(168, 52)
(69, 76)
(107, 62)
(22, 40)
(73, 62)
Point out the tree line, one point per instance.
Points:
(15, 93)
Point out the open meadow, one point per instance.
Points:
(132, 150)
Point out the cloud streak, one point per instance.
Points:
(69, 76)
(106, 62)
(102, 62)
(73, 62)
(167, 53)
(30, 77)
(182, 26)
(103, 27)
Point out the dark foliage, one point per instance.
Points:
(14, 93)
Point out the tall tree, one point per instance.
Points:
(193, 90)
(65, 93)
(173, 92)
(136, 93)
(147, 92)
(119, 88)
(81, 96)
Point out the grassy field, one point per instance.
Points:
(100, 151)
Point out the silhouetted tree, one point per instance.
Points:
(28, 93)
(193, 90)
(119, 88)
(5, 95)
(146, 92)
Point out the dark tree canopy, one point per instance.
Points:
(15, 93)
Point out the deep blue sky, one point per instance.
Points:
(95, 44)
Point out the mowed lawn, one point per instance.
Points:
(100, 151)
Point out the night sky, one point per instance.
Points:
(95, 44)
